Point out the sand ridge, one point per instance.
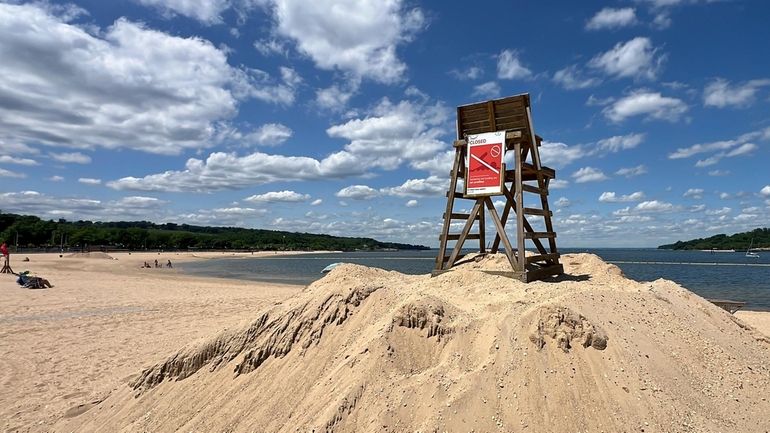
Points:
(370, 350)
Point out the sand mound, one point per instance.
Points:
(369, 350)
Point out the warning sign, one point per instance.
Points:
(485, 170)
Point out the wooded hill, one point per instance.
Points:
(738, 241)
(34, 232)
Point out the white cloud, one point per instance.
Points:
(359, 37)
(89, 181)
(389, 136)
(558, 184)
(765, 191)
(636, 58)
(621, 142)
(269, 134)
(722, 211)
(71, 157)
(471, 73)
(431, 186)
(654, 206)
(412, 203)
(558, 155)
(719, 172)
(562, 202)
(695, 193)
(571, 78)
(56, 178)
(7, 159)
(593, 101)
(440, 164)
(611, 18)
(611, 197)
(489, 90)
(9, 173)
(278, 197)
(720, 93)
(138, 201)
(205, 11)
(336, 96)
(316, 202)
(632, 171)
(725, 196)
(653, 105)
(509, 67)
(357, 192)
(589, 174)
(127, 86)
(271, 46)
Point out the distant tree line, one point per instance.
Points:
(33, 232)
(738, 241)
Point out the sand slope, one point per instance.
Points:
(370, 350)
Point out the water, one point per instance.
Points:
(718, 275)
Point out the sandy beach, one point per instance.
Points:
(102, 322)
(68, 348)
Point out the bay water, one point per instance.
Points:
(719, 275)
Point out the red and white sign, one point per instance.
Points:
(486, 172)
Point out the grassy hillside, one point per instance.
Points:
(738, 241)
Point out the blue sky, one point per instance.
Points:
(338, 116)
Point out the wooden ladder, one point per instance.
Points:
(513, 115)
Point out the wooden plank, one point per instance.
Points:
(533, 211)
(517, 266)
(542, 257)
(534, 189)
(535, 235)
(463, 235)
(449, 205)
(544, 272)
(527, 226)
(456, 236)
(542, 183)
(458, 216)
(519, 200)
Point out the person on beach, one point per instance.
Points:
(168, 265)
(4, 250)
(156, 263)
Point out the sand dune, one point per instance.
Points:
(370, 350)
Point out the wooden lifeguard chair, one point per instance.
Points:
(6, 266)
(528, 175)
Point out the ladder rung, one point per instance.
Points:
(459, 216)
(533, 211)
(534, 189)
(461, 195)
(454, 237)
(533, 235)
(542, 257)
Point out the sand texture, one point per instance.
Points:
(367, 350)
(66, 348)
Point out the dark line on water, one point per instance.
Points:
(623, 262)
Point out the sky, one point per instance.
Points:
(338, 116)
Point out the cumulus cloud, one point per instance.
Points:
(412, 203)
(9, 173)
(71, 157)
(636, 58)
(56, 178)
(509, 66)
(620, 142)
(205, 11)
(695, 193)
(357, 192)
(278, 197)
(652, 105)
(489, 90)
(611, 18)
(48, 206)
(360, 38)
(90, 181)
(558, 155)
(739, 146)
(765, 191)
(269, 134)
(336, 96)
(558, 184)
(389, 136)
(7, 159)
(654, 206)
(562, 202)
(571, 78)
(432, 186)
(128, 86)
(632, 171)
(721, 93)
(611, 197)
(589, 174)
(471, 73)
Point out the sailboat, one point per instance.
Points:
(749, 253)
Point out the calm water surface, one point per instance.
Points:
(717, 275)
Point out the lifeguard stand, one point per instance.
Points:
(512, 115)
(6, 265)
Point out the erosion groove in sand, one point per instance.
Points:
(369, 350)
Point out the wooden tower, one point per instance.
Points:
(512, 115)
(6, 266)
